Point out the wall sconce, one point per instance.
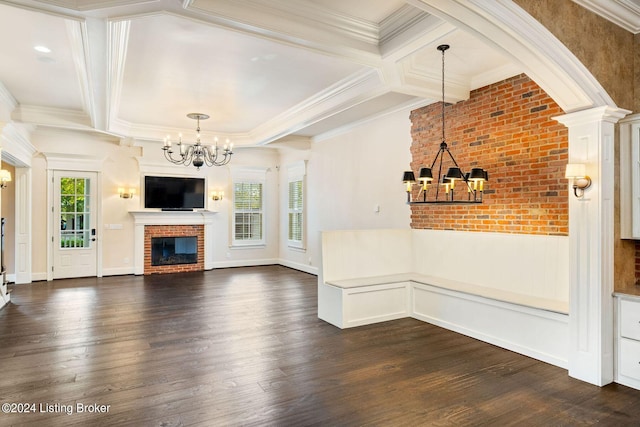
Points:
(126, 195)
(581, 181)
(217, 195)
(5, 176)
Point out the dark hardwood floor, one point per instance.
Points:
(244, 346)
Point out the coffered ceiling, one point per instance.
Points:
(263, 70)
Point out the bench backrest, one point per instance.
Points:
(350, 254)
(526, 264)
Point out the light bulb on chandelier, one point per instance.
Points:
(473, 181)
(198, 154)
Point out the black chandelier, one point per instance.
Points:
(472, 181)
(198, 154)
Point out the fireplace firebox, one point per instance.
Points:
(174, 250)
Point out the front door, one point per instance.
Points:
(74, 213)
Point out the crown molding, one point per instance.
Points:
(52, 117)
(399, 22)
(307, 13)
(128, 130)
(292, 143)
(17, 149)
(298, 23)
(86, 5)
(351, 91)
(360, 29)
(623, 13)
(406, 107)
(7, 103)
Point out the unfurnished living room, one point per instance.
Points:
(320, 212)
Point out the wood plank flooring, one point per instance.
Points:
(244, 346)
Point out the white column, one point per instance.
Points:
(23, 191)
(591, 141)
(138, 248)
(4, 296)
(209, 239)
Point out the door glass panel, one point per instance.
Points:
(74, 213)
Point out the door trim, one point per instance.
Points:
(52, 222)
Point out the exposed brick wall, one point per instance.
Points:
(507, 129)
(151, 231)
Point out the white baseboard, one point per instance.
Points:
(540, 334)
(123, 271)
(36, 277)
(298, 266)
(245, 263)
(117, 271)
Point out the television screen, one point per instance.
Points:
(167, 192)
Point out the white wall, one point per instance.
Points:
(348, 177)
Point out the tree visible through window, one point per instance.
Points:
(248, 212)
(296, 206)
(74, 213)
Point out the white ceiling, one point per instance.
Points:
(262, 69)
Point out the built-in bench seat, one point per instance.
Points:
(370, 276)
(457, 286)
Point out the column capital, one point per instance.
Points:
(597, 114)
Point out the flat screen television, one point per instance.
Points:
(173, 193)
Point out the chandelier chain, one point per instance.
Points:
(443, 50)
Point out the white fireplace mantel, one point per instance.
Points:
(157, 217)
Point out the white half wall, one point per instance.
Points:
(531, 265)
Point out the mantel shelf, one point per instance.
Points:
(158, 217)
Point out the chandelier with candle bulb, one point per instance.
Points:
(197, 154)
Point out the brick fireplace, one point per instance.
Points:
(150, 224)
(152, 232)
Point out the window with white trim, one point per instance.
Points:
(248, 219)
(295, 211)
(296, 217)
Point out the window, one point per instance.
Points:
(296, 220)
(248, 216)
(295, 211)
(74, 213)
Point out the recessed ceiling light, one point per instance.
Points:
(42, 49)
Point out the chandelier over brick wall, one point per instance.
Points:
(471, 183)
